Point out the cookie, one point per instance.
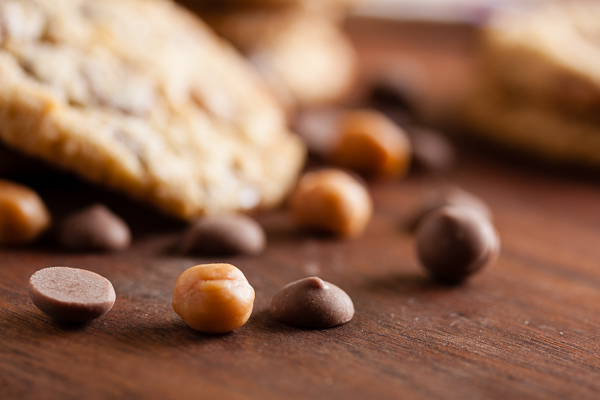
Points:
(548, 55)
(540, 86)
(533, 130)
(302, 54)
(322, 5)
(141, 96)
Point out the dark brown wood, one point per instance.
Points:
(527, 327)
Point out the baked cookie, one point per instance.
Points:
(540, 131)
(303, 55)
(540, 84)
(548, 54)
(139, 95)
(322, 5)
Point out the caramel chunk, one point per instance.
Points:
(213, 298)
(371, 144)
(23, 215)
(331, 201)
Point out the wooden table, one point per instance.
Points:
(527, 327)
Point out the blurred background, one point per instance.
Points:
(494, 71)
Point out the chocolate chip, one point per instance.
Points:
(95, 228)
(312, 303)
(392, 92)
(71, 294)
(450, 196)
(223, 235)
(431, 151)
(398, 92)
(454, 242)
(319, 129)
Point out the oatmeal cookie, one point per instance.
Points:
(141, 96)
(540, 84)
(303, 55)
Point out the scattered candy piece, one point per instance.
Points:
(312, 303)
(71, 294)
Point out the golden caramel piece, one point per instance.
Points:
(213, 298)
(371, 144)
(23, 215)
(332, 201)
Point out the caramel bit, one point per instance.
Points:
(331, 201)
(23, 215)
(213, 298)
(371, 144)
(365, 141)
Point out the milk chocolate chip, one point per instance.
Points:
(319, 129)
(454, 242)
(71, 294)
(397, 93)
(224, 235)
(95, 228)
(431, 151)
(312, 303)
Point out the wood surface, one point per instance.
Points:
(527, 327)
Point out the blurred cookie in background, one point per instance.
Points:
(302, 53)
(539, 88)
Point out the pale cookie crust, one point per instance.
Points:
(139, 95)
(303, 55)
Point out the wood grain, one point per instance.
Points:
(527, 327)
